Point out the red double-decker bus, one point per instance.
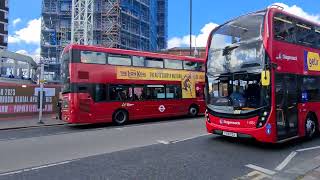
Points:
(262, 77)
(114, 85)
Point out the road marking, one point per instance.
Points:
(261, 169)
(163, 142)
(307, 149)
(286, 161)
(176, 141)
(34, 168)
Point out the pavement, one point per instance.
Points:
(28, 122)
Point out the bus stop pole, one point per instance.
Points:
(41, 93)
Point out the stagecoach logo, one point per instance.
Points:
(223, 121)
(162, 108)
(282, 56)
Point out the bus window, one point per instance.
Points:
(120, 93)
(155, 63)
(284, 28)
(116, 59)
(188, 65)
(155, 92)
(201, 67)
(305, 34)
(138, 93)
(173, 64)
(310, 89)
(173, 92)
(138, 61)
(100, 93)
(93, 57)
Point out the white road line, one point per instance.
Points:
(34, 168)
(286, 161)
(176, 141)
(261, 169)
(163, 142)
(307, 149)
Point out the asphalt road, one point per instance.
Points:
(175, 149)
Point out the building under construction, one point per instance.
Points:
(127, 24)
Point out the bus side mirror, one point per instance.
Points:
(265, 78)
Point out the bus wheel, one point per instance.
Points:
(120, 117)
(310, 127)
(193, 111)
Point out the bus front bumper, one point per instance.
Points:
(260, 134)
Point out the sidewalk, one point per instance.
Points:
(27, 122)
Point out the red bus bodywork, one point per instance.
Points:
(247, 127)
(82, 109)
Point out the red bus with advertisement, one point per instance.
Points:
(116, 85)
(263, 77)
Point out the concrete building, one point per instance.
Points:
(127, 24)
(4, 13)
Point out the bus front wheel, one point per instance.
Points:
(310, 127)
(120, 117)
(193, 111)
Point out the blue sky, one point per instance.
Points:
(24, 33)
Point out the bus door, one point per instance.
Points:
(286, 105)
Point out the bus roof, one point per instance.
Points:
(131, 52)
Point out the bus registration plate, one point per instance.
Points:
(230, 134)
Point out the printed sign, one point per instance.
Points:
(157, 74)
(17, 100)
(312, 61)
(188, 79)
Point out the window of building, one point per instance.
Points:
(93, 57)
(155, 92)
(138, 61)
(100, 93)
(117, 59)
(188, 65)
(5, 39)
(284, 28)
(155, 63)
(173, 64)
(173, 92)
(138, 93)
(120, 93)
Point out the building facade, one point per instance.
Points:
(126, 24)
(4, 13)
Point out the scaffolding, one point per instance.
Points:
(82, 22)
(110, 23)
(127, 24)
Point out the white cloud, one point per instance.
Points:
(298, 11)
(16, 21)
(199, 40)
(29, 34)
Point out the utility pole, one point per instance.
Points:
(190, 27)
(41, 81)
